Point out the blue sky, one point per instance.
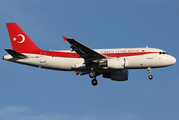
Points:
(28, 93)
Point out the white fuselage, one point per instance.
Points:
(135, 58)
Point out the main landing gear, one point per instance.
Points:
(149, 71)
(92, 74)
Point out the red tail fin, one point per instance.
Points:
(19, 40)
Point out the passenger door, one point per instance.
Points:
(42, 57)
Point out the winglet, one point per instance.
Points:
(77, 72)
(64, 38)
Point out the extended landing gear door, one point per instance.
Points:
(42, 57)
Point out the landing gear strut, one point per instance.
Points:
(149, 71)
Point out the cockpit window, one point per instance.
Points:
(162, 53)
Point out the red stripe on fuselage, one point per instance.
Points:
(75, 55)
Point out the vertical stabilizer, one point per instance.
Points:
(20, 41)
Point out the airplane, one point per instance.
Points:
(110, 63)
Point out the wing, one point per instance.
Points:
(85, 52)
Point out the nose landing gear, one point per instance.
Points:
(149, 71)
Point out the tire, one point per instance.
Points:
(92, 74)
(150, 77)
(94, 82)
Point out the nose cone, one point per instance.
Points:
(167, 60)
(172, 60)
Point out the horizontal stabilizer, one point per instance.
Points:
(15, 54)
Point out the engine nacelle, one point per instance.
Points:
(119, 63)
(121, 75)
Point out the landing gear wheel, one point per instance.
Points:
(92, 74)
(150, 77)
(149, 71)
(94, 82)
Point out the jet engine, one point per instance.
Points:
(118, 63)
(121, 75)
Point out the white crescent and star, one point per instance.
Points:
(23, 38)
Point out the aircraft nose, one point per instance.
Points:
(172, 60)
